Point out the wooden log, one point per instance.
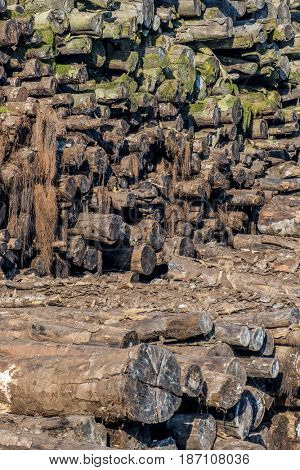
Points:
(203, 349)
(287, 337)
(279, 217)
(46, 86)
(190, 377)
(261, 367)
(269, 319)
(178, 326)
(98, 227)
(132, 437)
(225, 365)
(193, 431)
(130, 384)
(284, 431)
(257, 401)
(70, 428)
(267, 348)
(206, 113)
(27, 441)
(140, 259)
(233, 334)
(238, 420)
(9, 33)
(220, 390)
(231, 443)
(192, 188)
(66, 332)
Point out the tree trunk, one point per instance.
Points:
(112, 385)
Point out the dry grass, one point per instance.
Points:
(45, 206)
(46, 137)
(45, 221)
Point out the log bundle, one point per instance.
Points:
(183, 381)
(132, 135)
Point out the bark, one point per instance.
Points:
(26, 441)
(192, 431)
(70, 428)
(261, 367)
(238, 420)
(112, 385)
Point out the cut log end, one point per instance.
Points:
(153, 385)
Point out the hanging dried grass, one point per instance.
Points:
(45, 221)
(18, 175)
(45, 205)
(46, 138)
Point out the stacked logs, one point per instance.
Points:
(153, 380)
(134, 131)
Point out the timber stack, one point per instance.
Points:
(132, 134)
(153, 380)
(134, 131)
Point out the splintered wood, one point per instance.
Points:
(149, 224)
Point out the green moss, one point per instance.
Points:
(209, 70)
(42, 52)
(47, 36)
(182, 66)
(125, 80)
(155, 57)
(64, 69)
(4, 110)
(279, 34)
(198, 107)
(167, 91)
(294, 76)
(256, 103)
(247, 115)
(151, 78)
(228, 101)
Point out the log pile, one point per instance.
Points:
(132, 135)
(134, 132)
(180, 380)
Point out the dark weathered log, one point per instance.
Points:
(192, 431)
(238, 420)
(231, 443)
(131, 437)
(269, 319)
(9, 33)
(27, 441)
(261, 367)
(233, 334)
(176, 326)
(114, 384)
(98, 227)
(257, 401)
(70, 428)
(221, 390)
(267, 348)
(190, 377)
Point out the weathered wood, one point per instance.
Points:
(235, 444)
(113, 373)
(26, 441)
(70, 428)
(238, 420)
(98, 227)
(190, 377)
(261, 367)
(192, 431)
(233, 334)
